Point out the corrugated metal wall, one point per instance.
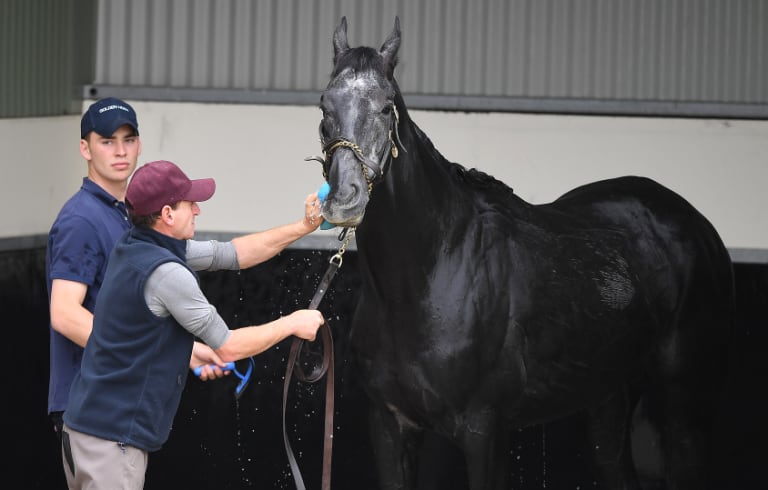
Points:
(491, 52)
(46, 55)
(693, 50)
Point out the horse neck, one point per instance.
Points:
(410, 209)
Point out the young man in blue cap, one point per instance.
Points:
(82, 236)
(146, 319)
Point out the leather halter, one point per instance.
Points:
(377, 168)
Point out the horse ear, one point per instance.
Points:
(340, 43)
(390, 47)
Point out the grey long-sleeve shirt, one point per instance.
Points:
(172, 290)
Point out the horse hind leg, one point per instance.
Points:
(684, 399)
(684, 418)
(609, 427)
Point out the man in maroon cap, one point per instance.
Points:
(147, 316)
(88, 225)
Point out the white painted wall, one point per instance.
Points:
(256, 154)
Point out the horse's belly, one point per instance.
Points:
(531, 364)
(570, 374)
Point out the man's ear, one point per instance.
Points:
(85, 149)
(166, 214)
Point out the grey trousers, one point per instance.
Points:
(92, 463)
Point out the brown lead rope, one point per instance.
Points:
(329, 396)
(327, 367)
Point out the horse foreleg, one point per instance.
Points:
(395, 449)
(609, 427)
(486, 448)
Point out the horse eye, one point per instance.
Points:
(324, 121)
(387, 110)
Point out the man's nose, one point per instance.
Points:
(120, 147)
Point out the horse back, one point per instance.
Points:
(651, 215)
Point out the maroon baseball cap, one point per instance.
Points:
(156, 184)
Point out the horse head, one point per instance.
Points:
(359, 128)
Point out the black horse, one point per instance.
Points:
(480, 313)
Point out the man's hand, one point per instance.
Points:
(210, 364)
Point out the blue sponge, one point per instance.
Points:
(322, 193)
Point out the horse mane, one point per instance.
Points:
(475, 179)
(479, 180)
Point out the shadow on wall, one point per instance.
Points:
(218, 442)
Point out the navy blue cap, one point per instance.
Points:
(105, 116)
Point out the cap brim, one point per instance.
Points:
(116, 124)
(201, 190)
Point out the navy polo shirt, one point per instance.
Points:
(79, 243)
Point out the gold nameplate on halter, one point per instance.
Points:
(394, 145)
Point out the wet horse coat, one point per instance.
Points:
(480, 313)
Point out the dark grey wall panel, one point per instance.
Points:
(46, 55)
